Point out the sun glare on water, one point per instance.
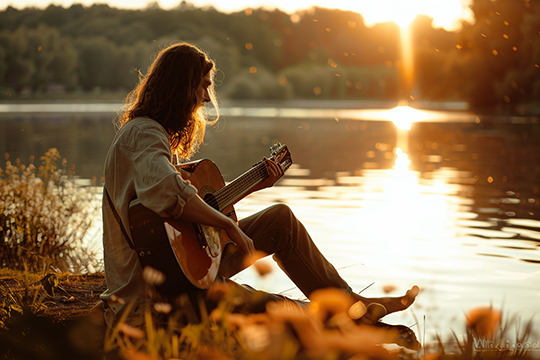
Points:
(404, 116)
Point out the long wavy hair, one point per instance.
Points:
(167, 94)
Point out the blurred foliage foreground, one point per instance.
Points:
(44, 216)
(185, 328)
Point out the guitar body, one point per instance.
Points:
(200, 247)
(189, 254)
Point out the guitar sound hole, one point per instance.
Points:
(210, 199)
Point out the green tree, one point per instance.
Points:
(431, 48)
(36, 58)
(18, 69)
(54, 58)
(488, 50)
(96, 62)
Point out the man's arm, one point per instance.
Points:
(275, 172)
(197, 211)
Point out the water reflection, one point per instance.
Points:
(453, 231)
(404, 116)
(393, 226)
(452, 204)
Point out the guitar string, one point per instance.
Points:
(228, 193)
(225, 193)
(249, 178)
(224, 199)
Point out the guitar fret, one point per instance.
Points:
(236, 188)
(226, 195)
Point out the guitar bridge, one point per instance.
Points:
(209, 239)
(200, 235)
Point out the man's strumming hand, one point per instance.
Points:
(244, 243)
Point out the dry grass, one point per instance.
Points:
(322, 330)
(43, 216)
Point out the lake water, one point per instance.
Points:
(450, 202)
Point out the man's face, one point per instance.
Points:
(202, 91)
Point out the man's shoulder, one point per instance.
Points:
(143, 123)
(140, 128)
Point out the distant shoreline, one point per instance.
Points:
(262, 108)
(225, 103)
(334, 110)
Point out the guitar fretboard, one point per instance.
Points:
(227, 195)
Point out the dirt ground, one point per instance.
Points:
(74, 296)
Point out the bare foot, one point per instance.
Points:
(402, 335)
(393, 304)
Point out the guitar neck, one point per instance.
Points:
(237, 188)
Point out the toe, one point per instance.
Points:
(403, 336)
(374, 312)
(410, 296)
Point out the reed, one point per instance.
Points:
(44, 215)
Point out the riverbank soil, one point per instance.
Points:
(73, 297)
(59, 317)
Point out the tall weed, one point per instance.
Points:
(44, 215)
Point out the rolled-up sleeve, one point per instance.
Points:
(158, 185)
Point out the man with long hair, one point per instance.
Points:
(164, 117)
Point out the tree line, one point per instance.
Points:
(269, 54)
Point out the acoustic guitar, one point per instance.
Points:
(189, 254)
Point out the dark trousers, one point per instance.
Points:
(276, 231)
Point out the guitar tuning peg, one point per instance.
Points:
(274, 148)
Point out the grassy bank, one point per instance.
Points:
(72, 295)
(65, 325)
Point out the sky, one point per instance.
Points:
(445, 13)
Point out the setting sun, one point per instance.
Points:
(445, 13)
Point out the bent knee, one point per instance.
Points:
(281, 211)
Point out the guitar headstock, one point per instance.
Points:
(281, 155)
